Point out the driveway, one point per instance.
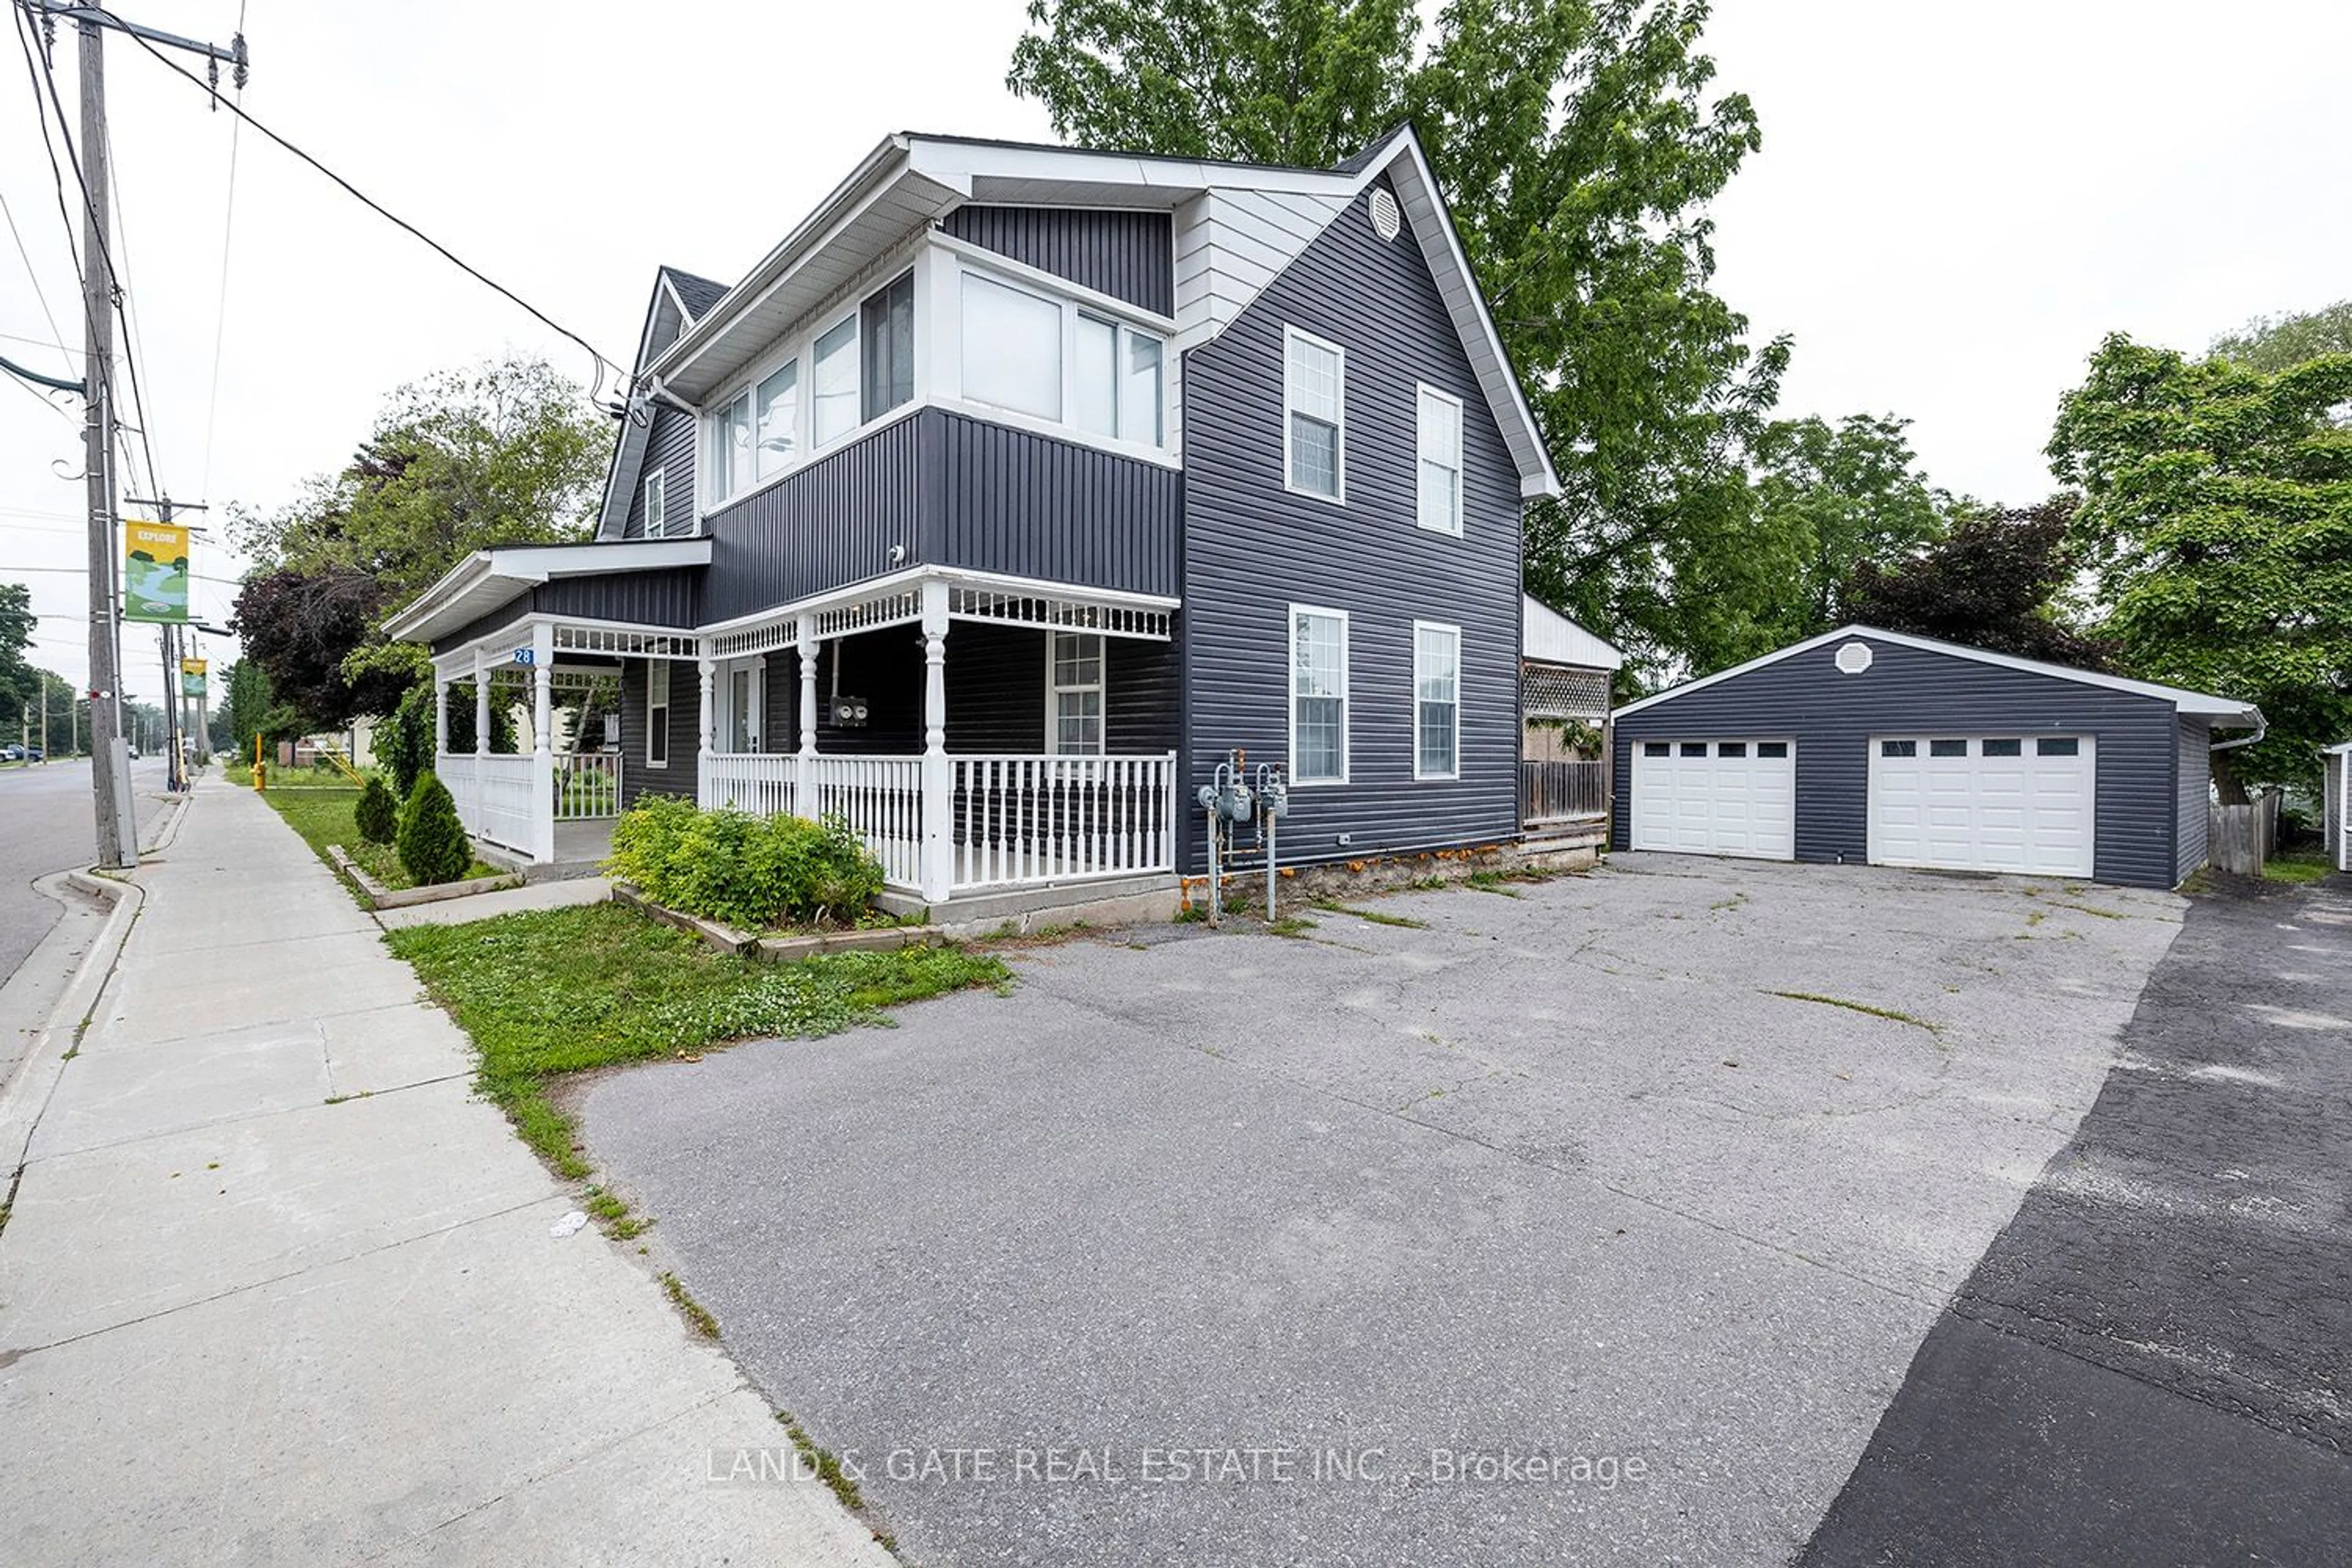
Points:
(1237, 1249)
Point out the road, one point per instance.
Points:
(45, 827)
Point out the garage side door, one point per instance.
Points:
(1984, 803)
(1717, 797)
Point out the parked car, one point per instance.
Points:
(32, 754)
(133, 749)
(11, 752)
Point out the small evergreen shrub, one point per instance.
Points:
(751, 872)
(377, 814)
(433, 844)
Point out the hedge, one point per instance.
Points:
(751, 872)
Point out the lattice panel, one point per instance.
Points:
(1058, 614)
(1556, 691)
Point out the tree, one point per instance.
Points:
(377, 815)
(506, 453)
(432, 845)
(2270, 344)
(1844, 497)
(1579, 148)
(1996, 579)
(19, 682)
(250, 709)
(2216, 524)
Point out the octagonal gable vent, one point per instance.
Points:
(1386, 220)
(1853, 657)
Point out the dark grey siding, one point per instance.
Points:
(1252, 549)
(671, 598)
(1129, 255)
(638, 776)
(948, 490)
(2192, 814)
(669, 447)
(1913, 692)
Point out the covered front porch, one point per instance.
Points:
(1043, 752)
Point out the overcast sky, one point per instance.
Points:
(1952, 206)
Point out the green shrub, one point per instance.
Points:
(433, 844)
(751, 872)
(377, 815)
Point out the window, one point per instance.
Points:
(1319, 696)
(1074, 680)
(1948, 748)
(2004, 748)
(2067, 747)
(1436, 702)
(657, 714)
(1656, 748)
(1012, 348)
(833, 384)
(1116, 387)
(656, 505)
(776, 419)
(1775, 749)
(1440, 479)
(1731, 749)
(1898, 748)
(887, 326)
(1694, 748)
(730, 448)
(1314, 405)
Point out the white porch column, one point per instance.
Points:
(804, 795)
(440, 717)
(708, 728)
(481, 706)
(938, 863)
(543, 728)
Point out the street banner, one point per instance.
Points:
(192, 678)
(155, 572)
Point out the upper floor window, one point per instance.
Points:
(657, 504)
(833, 378)
(1315, 415)
(1119, 390)
(1319, 696)
(1439, 482)
(887, 322)
(1011, 347)
(1075, 681)
(1029, 350)
(859, 368)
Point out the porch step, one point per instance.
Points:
(1108, 901)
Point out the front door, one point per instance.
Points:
(739, 696)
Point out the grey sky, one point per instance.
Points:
(1952, 206)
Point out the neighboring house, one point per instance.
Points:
(2337, 811)
(1020, 485)
(1866, 745)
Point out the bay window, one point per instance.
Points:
(1319, 695)
(1437, 700)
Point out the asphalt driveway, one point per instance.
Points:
(1240, 1248)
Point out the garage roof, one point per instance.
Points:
(2223, 711)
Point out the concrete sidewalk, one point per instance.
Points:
(276, 1287)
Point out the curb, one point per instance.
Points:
(26, 1094)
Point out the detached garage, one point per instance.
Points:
(1879, 747)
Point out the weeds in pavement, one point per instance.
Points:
(698, 1316)
(1897, 1014)
(1378, 917)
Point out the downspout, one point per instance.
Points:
(2262, 728)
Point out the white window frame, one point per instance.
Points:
(1074, 303)
(1339, 428)
(722, 699)
(1456, 633)
(657, 666)
(657, 504)
(854, 319)
(1054, 689)
(1291, 685)
(1424, 396)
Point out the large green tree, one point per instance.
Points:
(1579, 142)
(2274, 343)
(508, 452)
(2217, 522)
(1840, 498)
(19, 683)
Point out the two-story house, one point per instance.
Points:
(1015, 489)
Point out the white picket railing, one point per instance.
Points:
(1029, 819)
(587, 785)
(493, 795)
(762, 785)
(882, 798)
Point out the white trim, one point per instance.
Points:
(1100, 685)
(1290, 686)
(1422, 396)
(524, 566)
(662, 728)
(724, 719)
(657, 517)
(1339, 496)
(1038, 279)
(1456, 633)
(2222, 710)
(1548, 637)
(907, 577)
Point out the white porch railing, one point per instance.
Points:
(587, 785)
(493, 795)
(882, 798)
(760, 784)
(1028, 819)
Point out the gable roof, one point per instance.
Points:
(697, 294)
(2192, 704)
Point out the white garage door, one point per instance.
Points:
(1717, 797)
(1984, 803)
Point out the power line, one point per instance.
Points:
(220, 309)
(133, 339)
(601, 363)
(56, 333)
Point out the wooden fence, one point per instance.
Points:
(2239, 838)
(1562, 791)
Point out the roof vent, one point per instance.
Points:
(1853, 657)
(1386, 222)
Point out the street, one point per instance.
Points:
(45, 827)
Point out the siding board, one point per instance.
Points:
(669, 447)
(1129, 255)
(1914, 691)
(2193, 817)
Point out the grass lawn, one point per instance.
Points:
(323, 815)
(2308, 863)
(552, 991)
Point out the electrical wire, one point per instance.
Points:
(133, 339)
(601, 363)
(56, 333)
(220, 309)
